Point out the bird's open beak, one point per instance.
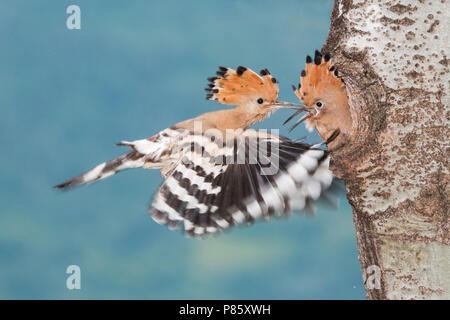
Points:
(303, 118)
(286, 105)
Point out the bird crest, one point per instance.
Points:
(241, 85)
(319, 86)
(318, 77)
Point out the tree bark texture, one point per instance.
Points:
(393, 58)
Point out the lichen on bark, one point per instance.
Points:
(393, 58)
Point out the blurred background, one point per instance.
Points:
(135, 68)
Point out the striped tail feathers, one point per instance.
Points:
(148, 153)
(132, 159)
(233, 87)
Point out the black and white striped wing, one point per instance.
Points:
(214, 187)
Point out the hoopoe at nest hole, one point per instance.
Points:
(215, 173)
(323, 93)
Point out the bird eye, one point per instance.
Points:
(320, 104)
(260, 101)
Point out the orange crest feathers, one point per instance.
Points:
(319, 76)
(241, 85)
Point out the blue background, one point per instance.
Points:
(135, 68)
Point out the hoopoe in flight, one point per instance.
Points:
(324, 96)
(219, 173)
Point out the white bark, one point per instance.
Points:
(393, 57)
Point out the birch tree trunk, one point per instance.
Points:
(393, 57)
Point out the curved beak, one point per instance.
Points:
(286, 105)
(305, 116)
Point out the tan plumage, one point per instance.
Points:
(324, 96)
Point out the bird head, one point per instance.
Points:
(324, 96)
(254, 94)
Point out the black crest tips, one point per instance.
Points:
(308, 59)
(317, 57)
(299, 86)
(240, 70)
(209, 96)
(293, 88)
(212, 79)
(222, 71)
(274, 80)
(303, 73)
(264, 72)
(326, 57)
